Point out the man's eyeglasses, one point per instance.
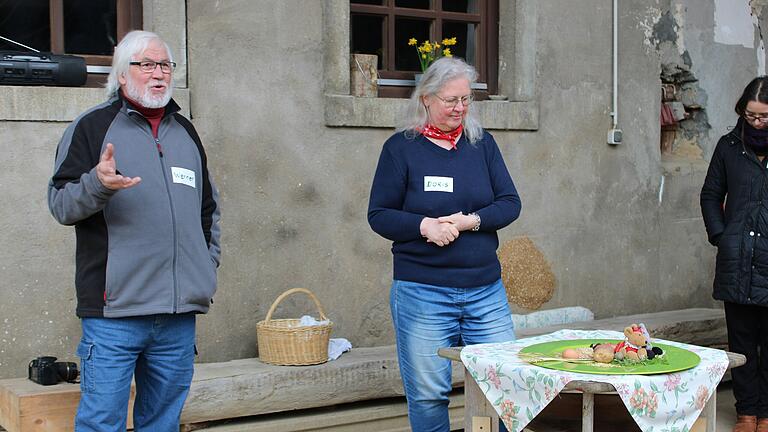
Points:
(452, 102)
(150, 66)
(757, 118)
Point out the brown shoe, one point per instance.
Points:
(746, 423)
(762, 425)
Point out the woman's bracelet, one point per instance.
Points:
(477, 221)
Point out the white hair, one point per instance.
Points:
(135, 42)
(436, 76)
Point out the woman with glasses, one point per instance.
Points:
(734, 204)
(441, 192)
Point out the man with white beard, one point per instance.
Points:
(131, 175)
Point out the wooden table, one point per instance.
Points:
(480, 416)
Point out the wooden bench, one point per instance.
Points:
(227, 390)
(247, 387)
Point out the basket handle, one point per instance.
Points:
(293, 291)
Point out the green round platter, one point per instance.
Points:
(674, 359)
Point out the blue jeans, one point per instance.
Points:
(158, 349)
(428, 317)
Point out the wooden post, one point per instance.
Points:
(363, 75)
(478, 411)
(587, 411)
(710, 411)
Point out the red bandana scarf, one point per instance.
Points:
(432, 131)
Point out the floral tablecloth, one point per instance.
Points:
(658, 403)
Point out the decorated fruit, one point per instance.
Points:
(577, 353)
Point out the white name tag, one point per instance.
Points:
(438, 184)
(183, 176)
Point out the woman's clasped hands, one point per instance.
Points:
(445, 229)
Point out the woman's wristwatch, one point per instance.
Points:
(477, 221)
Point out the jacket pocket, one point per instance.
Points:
(728, 261)
(139, 276)
(198, 275)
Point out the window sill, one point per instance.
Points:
(59, 104)
(350, 111)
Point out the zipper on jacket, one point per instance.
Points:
(751, 267)
(147, 128)
(173, 224)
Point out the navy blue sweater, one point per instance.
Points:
(413, 181)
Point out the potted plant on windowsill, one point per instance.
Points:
(429, 51)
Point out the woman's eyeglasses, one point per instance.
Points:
(756, 118)
(453, 102)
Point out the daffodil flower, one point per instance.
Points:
(429, 51)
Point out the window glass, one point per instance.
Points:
(406, 57)
(366, 35)
(90, 27)
(26, 22)
(414, 4)
(386, 28)
(466, 40)
(464, 6)
(370, 2)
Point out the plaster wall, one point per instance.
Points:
(619, 226)
(295, 191)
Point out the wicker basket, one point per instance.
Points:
(286, 342)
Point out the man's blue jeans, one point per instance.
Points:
(428, 317)
(159, 349)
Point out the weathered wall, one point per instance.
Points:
(619, 226)
(37, 299)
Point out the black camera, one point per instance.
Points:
(47, 371)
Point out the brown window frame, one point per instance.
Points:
(129, 17)
(487, 43)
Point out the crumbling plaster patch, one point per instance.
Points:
(757, 17)
(676, 69)
(647, 22)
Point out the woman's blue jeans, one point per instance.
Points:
(158, 349)
(428, 317)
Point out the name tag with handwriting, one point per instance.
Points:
(438, 184)
(183, 176)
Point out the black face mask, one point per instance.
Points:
(755, 139)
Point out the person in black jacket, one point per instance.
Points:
(734, 204)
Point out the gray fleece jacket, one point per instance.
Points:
(149, 249)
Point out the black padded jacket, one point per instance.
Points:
(734, 204)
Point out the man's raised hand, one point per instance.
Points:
(106, 171)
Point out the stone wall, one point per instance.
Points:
(618, 227)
